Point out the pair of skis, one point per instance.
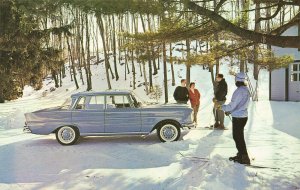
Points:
(203, 159)
(255, 166)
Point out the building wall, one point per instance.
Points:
(278, 77)
(293, 31)
(294, 81)
(278, 85)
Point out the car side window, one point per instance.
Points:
(80, 104)
(117, 101)
(95, 103)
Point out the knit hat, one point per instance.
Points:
(240, 77)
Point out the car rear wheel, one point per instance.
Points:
(168, 132)
(67, 135)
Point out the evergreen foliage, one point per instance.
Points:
(37, 37)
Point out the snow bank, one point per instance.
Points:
(198, 161)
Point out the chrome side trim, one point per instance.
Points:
(114, 134)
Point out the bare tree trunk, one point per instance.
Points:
(216, 37)
(126, 65)
(188, 64)
(172, 65)
(152, 48)
(149, 58)
(158, 58)
(150, 71)
(211, 70)
(88, 58)
(53, 73)
(217, 60)
(107, 32)
(127, 58)
(153, 61)
(268, 14)
(133, 70)
(145, 78)
(72, 63)
(96, 43)
(78, 44)
(165, 73)
(256, 29)
(82, 54)
(101, 28)
(114, 48)
(244, 24)
(119, 39)
(60, 78)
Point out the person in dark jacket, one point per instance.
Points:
(181, 93)
(220, 98)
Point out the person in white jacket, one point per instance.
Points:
(238, 109)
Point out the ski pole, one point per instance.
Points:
(228, 114)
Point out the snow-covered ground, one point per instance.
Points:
(39, 162)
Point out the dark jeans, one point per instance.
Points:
(238, 125)
(181, 102)
(219, 114)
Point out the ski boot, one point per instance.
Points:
(221, 127)
(235, 158)
(244, 159)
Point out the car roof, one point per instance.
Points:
(107, 92)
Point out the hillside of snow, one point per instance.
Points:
(199, 160)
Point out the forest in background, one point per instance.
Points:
(38, 38)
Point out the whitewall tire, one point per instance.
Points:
(67, 135)
(168, 132)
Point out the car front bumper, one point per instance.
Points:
(189, 125)
(26, 129)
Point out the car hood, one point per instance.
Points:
(48, 109)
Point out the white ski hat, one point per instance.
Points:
(240, 77)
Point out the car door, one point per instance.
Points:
(88, 114)
(121, 116)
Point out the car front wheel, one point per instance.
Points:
(168, 132)
(67, 135)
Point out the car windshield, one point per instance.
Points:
(66, 104)
(138, 100)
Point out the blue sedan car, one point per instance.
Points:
(109, 113)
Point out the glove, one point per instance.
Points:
(217, 105)
(227, 113)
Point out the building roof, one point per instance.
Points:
(280, 30)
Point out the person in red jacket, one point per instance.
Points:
(194, 96)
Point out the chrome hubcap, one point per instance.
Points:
(66, 134)
(169, 132)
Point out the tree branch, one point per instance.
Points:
(279, 6)
(291, 2)
(265, 7)
(281, 29)
(219, 5)
(280, 41)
